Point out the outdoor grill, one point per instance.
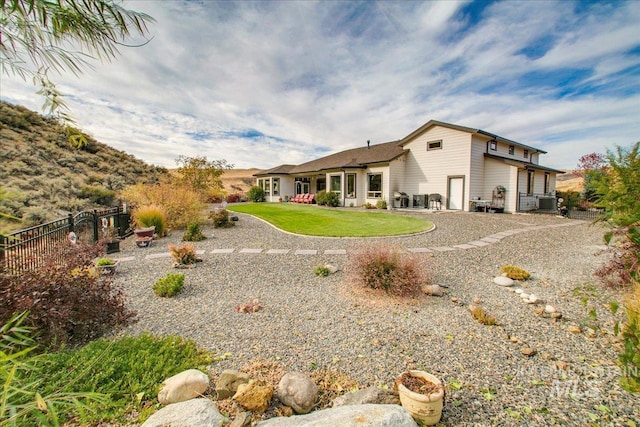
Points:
(401, 198)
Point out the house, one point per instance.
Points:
(463, 168)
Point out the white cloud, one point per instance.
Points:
(326, 76)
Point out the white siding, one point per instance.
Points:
(477, 173)
(426, 172)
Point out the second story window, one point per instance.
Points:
(493, 145)
(526, 154)
(512, 149)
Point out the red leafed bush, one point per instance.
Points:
(67, 300)
(386, 268)
(234, 197)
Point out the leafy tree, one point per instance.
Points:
(202, 175)
(591, 167)
(39, 35)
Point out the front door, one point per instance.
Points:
(455, 199)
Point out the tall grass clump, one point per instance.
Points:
(386, 268)
(150, 216)
(630, 355)
(180, 203)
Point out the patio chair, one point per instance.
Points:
(310, 199)
(305, 197)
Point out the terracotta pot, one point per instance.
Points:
(425, 408)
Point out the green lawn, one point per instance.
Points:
(319, 221)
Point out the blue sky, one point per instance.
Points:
(264, 83)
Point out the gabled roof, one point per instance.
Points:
(278, 170)
(521, 164)
(474, 131)
(353, 158)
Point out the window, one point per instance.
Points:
(276, 186)
(530, 177)
(434, 145)
(351, 185)
(374, 185)
(526, 154)
(493, 145)
(512, 149)
(321, 184)
(335, 184)
(547, 183)
(267, 186)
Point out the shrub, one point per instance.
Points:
(256, 194)
(149, 216)
(169, 285)
(183, 254)
(515, 273)
(98, 195)
(381, 204)
(383, 267)
(193, 233)
(368, 205)
(481, 315)
(181, 204)
(234, 197)
(327, 198)
(67, 300)
(630, 355)
(104, 261)
(220, 219)
(321, 270)
(127, 370)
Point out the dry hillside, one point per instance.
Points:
(238, 180)
(569, 182)
(43, 178)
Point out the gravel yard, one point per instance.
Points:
(310, 321)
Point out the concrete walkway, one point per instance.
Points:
(491, 239)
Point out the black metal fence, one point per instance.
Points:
(26, 249)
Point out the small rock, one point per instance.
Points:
(574, 329)
(254, 397)
(556, 315)
(242, 419)
(332, 268)
(433, 290)
(477, 300)
(528, 351)
(547, 356)
(367, 415)
(560, 364)
(190, 413)
(534, 299)
(183, 386)
(368, 395)
(298, 391)
(227, 384)
(514, 339)
(503, 281)
(519, 291)
(590, 333)
(454, 299)
(549, 309)
(539, 311)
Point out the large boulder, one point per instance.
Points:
(368, 395)
(227, 384)
(348, 416)
(254, 396)
(183, 386)
(190, 413)
(297, 391)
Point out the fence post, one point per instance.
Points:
(117, 221)
(4, 243)
(96, 236)
(72, 226)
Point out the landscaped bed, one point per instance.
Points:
(312, 220)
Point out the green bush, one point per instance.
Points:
(104, 261)
(98, 195)
(149, 216)
(220, 219)
(383, 267)
(321, 270)
(127, 371)
(256, 194)
(327, 198)
(169, 285)
(193, 233)
(381, 204)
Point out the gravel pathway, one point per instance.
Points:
(310, 321)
